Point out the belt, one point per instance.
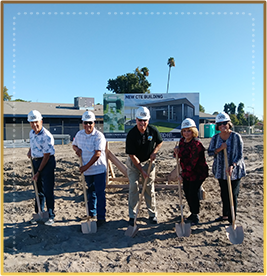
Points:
(38, 158)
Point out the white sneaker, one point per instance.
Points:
(33, 221)
(49, 222)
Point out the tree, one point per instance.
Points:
(229, 108)
(215, 113)
(234, 119)
(171, 63)
(131, 82)
(7, 97)
(201, 108)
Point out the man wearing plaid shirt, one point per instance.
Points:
(90, 144)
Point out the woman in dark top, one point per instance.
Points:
(232, 141)
(194, 166)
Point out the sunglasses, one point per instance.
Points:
(88, 123)
(140, 120)
(222, 123)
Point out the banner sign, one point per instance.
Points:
(167, 111)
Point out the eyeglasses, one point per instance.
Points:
(222, 123)
(86, 123)
(140, 120)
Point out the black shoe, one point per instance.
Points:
(100, 222)
(131, 222)
(153, 220)
(221, 218)
(193, 219)
(190, 218)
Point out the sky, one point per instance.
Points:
(56, 52)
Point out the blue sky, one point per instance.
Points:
(55, 52)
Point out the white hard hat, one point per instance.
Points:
(34, 116)
(222, 117)
(88, 116)
(186, 123)
(142, 113)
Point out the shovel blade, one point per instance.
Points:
(41, 216)
(131, 231)
(183, 230)
(235, 235)
(89, 227)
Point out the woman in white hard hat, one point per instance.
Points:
(42, 153)
(90, 144)
(194, 166)
(232, 141)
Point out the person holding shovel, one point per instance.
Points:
(232, 141)
(194, 166)
(142, 143)
(90, 144)
(43, 160)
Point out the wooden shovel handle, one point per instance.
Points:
(84, 189)
(180, 188)
(229, 187)
(35, 189)
(143, 191)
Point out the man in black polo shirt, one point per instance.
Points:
(142, 143)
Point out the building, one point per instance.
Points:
(65, 119)
(59, 119)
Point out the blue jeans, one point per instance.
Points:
(96, 195)
(45, 184)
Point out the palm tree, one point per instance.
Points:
(145, 71)
(171, 63)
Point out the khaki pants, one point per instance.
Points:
(150, 198)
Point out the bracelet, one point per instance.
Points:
(38, 171)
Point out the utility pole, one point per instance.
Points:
(249, 118)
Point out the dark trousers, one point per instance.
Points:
(191, 189)
(96, 195)
(45, 184)
(225, 196)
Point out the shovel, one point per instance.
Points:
(234, 233)
(182, 229)
(88, 227)
(132, 230)
(41, 215)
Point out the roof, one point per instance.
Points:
(203, 115)
(59, 110)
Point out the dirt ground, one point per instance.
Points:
(62, 247)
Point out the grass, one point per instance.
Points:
(164, 127)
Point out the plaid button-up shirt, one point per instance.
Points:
(89, 143)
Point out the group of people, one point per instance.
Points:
(142, 144)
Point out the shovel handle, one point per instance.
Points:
(36, 190)
(180, 188)
(143, 191)
(84, 189)
(229, 187)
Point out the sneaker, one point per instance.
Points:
(49, 222)
(131, 222)
(100, 222)
(153, 220)
(33, 221)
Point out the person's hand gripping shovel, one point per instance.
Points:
(88, 227)
(132, 230)
(182, 229)
(40, 215)
(234, 233)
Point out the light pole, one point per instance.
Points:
(249, 117)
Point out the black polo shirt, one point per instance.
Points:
(142, 145)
